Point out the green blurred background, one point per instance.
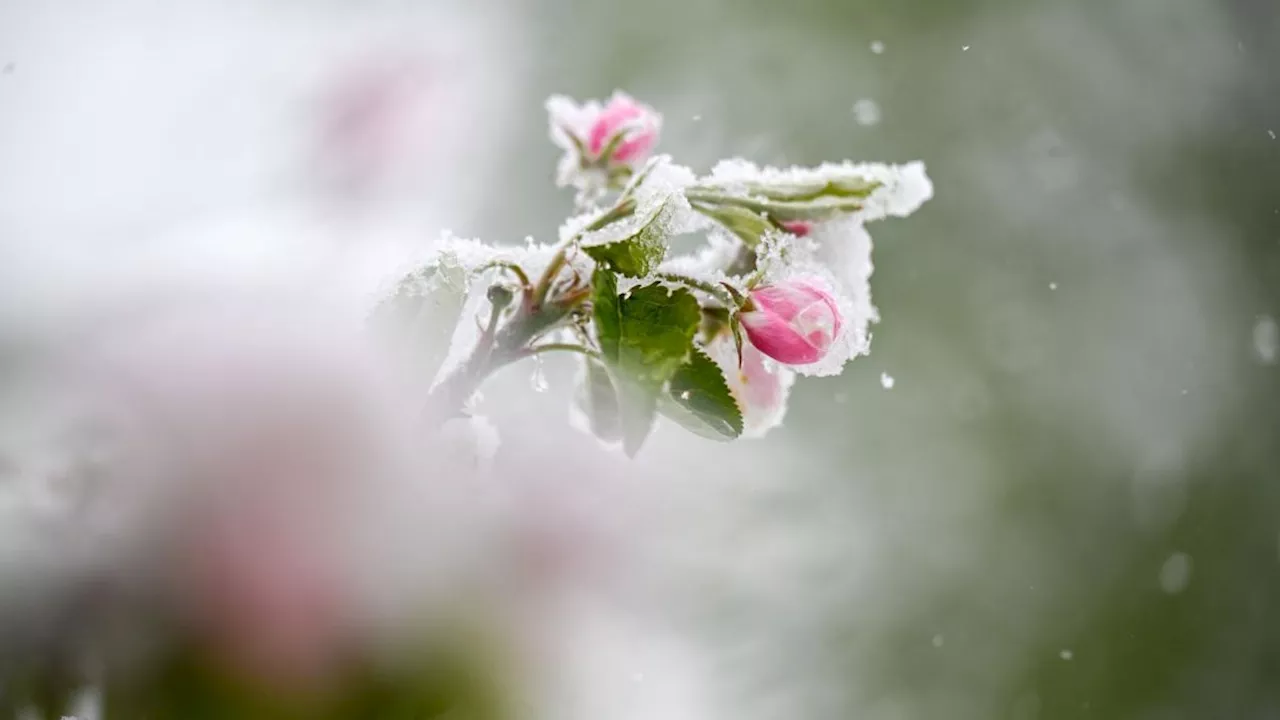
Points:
(1067, 505)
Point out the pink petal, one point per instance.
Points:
(799, 228)
(636, 148)
(617, 113)
(793, 322)
(775, 337)
(762, 388)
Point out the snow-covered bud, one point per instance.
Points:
(602, 142)
(624, 133)
(794, 322)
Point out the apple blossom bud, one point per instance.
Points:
(626, 125)
(793, 322)
(603, 144)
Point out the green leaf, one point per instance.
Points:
(644, 337)
(747, 225)
(598, 400)
(816, 209)
(699, 399)
(636, 255)
(848, 187)
(607, 313)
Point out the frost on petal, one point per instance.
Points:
(600, 139)
(760, 386)
(569, 124)
(624, 115)
(569, 120)
(794, 322)
(786, 257)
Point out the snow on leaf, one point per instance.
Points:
(660, 205)
(882, 190)
(636, 255)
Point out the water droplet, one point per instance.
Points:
(877, 47)
(938, 640)
(866, 112)
(1066, 654)
(1053, 286)
(1175, 574)
(539, 378)
(1272, 133)
(887, 381)
(965, 48)
(1266, 340)
(696, 118)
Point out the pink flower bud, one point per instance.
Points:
(637, 125)
(793, 322)
(598, 139)
(799, 228)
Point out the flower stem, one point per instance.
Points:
(498, 348)
(619, 211)
(493, 352)
(510, 267)
(543, 287)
